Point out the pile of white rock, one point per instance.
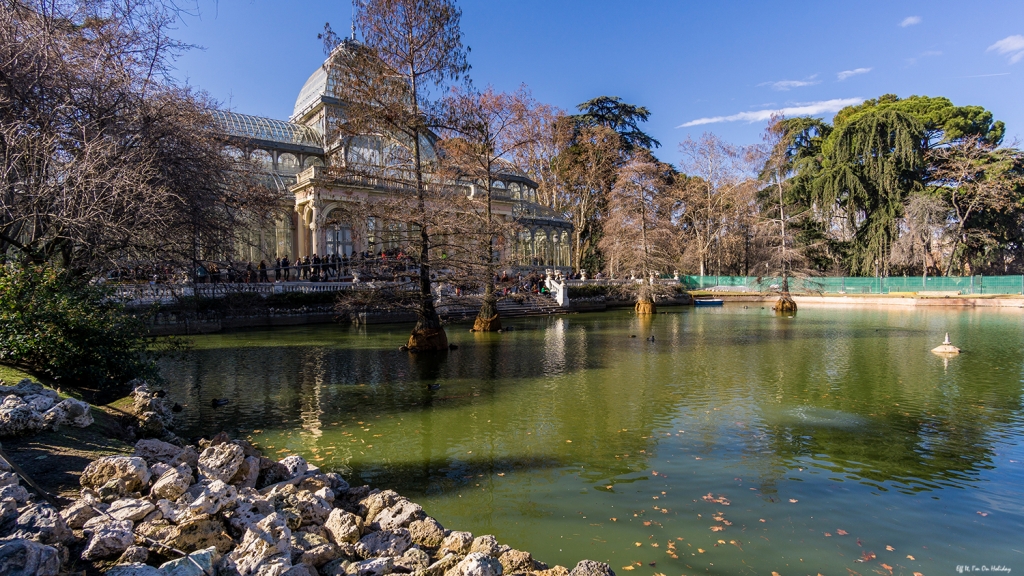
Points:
(29, 407)
(236, 512)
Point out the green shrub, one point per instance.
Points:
(587, 291)
(67, 329)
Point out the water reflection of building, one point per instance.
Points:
(295, 155)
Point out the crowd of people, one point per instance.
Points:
(364, 266)
(315, 268)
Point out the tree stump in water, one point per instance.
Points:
(428, 340)
(785, 305)
(645, 307)
(492, 324)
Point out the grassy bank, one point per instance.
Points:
(55, 459)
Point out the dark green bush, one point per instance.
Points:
(588, 291)
(69, 330)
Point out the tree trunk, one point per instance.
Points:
(488, 319)
(428, 335)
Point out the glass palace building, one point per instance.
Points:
(313, 219)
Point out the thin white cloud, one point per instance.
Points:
(855, 72)
(784, 85)
(806, 109)
(910, 21)
(1012, 47)
(985, 75)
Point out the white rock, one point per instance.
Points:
(456, 543)
(16, 492)
(270, 539)
(384, 543)
(214, 496)
(132, 470)
(477, 564)
(342, 527)
(22, 557)
(69, 412)
(591, 568)
(153, 451)
(296, 465)
(372, 567)
(133, 509)
(312, 509)
(486, 544)
(8, 479)
(221, 462)
(326, 493)
(39, 402)
(109, 539)
(400, 515)
(17, 417)
(42, 523)
(172, 484)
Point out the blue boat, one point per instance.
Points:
(708, 302)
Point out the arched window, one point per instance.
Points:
(540, 250)
(524, 247)
(514, 190)
(339, 239)
(234, 153)
(287, 163)
(264, 159)
(313, 161)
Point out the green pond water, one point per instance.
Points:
(736, 442)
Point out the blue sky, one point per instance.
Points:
(698, 66)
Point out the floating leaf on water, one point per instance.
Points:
(793, 500)
(701, 550)
(761, 520)
(828, 534)
(614, 519)
(909, 557)
(867, 556)
(918, 574)
(774, 573)
(501, 473)
(842, 532)
(982, 514)
(628, 568)
(647, 522)
(890, 548)
(655, 545)
(717, 528)
(568, 441)
(637, 544)
(887, 567)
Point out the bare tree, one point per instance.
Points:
(974, 177)
(638, 230)
(923, 227)
(718, 175)
(586, 171)
(103, 159)
(537, 156)
(409, 47)
(487, 129)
